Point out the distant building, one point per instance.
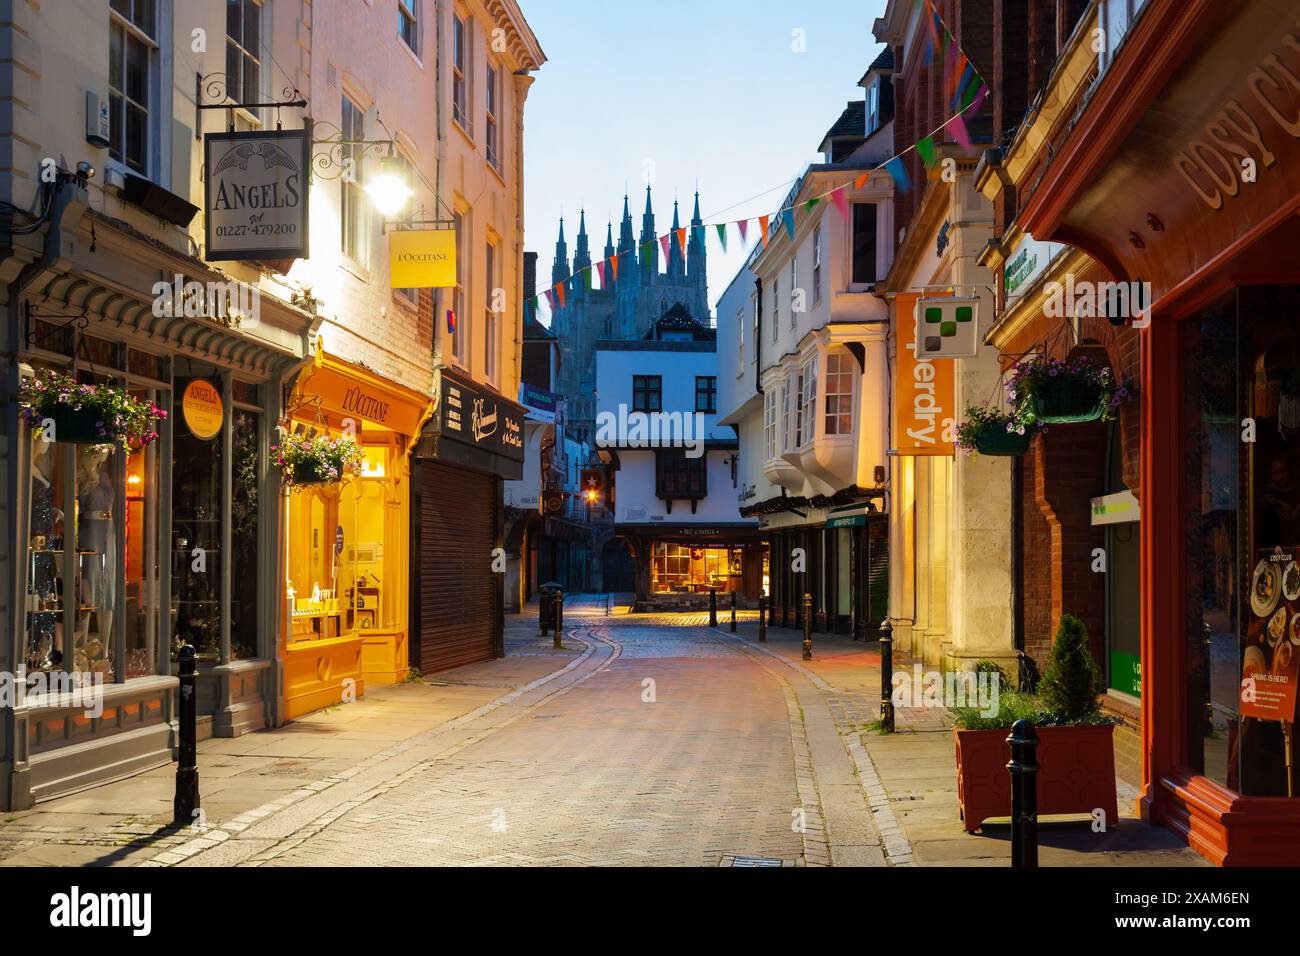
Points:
(629, 300)
(674, 466)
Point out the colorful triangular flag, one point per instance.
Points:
(841, 202)
(967, 76)
(811, 204)
(664, 240)
(600, 268)
(613, 264)
(861, 181)
(957, 126)
(559, 292)
(722, 235)
(550, 300)
(925, 149)
(788, 216)
(898, 172)
(743, 225)
(763, 223)
(451, 321)
(681, 239)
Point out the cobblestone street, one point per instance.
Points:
(650, 739)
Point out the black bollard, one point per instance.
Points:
(713, 608)
(186, 803)
(887, 677)
(1024, 794)
(762, 617)
(733, 612)
(807, 626)
(558, 600)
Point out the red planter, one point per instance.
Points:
(1076, 772)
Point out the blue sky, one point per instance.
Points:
(708, 91)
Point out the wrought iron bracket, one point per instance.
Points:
(79, 321)
(214, 84)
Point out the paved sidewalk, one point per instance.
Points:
(129, 822)
(916, 770)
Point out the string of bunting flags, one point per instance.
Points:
(965, 91)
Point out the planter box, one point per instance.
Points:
(1068, 402)
(1076, 772)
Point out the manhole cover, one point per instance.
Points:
(756, 861)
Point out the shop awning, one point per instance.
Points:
(474, 427)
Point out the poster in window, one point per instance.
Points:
(1270, 662)
(255, 195)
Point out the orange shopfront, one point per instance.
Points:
(347, 546)
(1183, 170)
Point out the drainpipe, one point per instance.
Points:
(758, 335)
(440, 154)
(522, 83)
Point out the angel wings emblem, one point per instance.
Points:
(271, 155)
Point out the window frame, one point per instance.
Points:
(794, 287)
(808, 402)
(645, 386)
(817, 265)
(679, 476)
(492, 117)
(491, 347)
(354, 227)
(769, 425)
(839, 370)
(409, 21)
(706, 388)
(460, 338)
(150, 167)
(855, 282)
(460, 72)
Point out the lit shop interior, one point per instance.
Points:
(683, 569)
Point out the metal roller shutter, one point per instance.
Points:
(458, 600)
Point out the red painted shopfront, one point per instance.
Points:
(1183, 170)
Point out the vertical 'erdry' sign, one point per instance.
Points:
(255, 195)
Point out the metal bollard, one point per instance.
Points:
(762, 617)
(1024, 794)
(733, 612)
(559, 618)
(807, 626)
(607, 605)
(713, 608)
(186, 803)
(887, 677)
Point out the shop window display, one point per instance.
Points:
(246, 435)
(196, 530)
(1242, 405)
(342, 577)
(684, 569)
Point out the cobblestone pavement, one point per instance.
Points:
(671, 748)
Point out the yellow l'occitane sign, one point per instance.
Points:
(202, 408)
(422, 259)
(924, 412)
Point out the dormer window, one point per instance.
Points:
(873, 106)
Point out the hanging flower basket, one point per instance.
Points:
(88, 414)
(998, 434)
(1060, 392)
(319, 460)
(1068, 401)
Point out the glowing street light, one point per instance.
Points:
(389, 190)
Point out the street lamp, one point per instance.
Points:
(389, 190)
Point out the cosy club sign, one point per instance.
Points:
(255, 195)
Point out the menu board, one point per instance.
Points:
(1270, 662)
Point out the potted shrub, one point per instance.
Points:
(1076, 757)
(1059, 391)
(992, 432)
(317, 460)
(88, 414)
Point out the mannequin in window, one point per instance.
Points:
(96, 541)
(46, 529)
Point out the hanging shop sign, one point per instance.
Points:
(475, 416)
(202, 409)
(255, 195)
(947, 328)
(422, 258)
(538, 399)
(924, 403)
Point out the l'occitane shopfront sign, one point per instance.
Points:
(422, 259)
(348, 392)
(925, 417)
